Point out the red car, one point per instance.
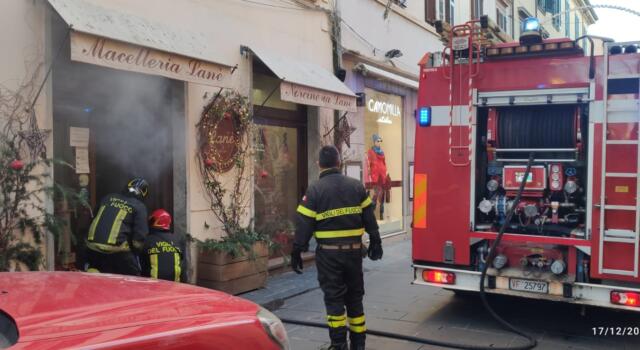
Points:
(72, 310)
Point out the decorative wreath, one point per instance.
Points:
(222, 131)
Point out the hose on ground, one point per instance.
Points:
(532, 342)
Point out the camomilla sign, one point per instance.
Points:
(115, 54)
(386, 107)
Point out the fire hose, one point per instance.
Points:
(531, 342)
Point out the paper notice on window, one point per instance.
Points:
(78, 137)
(353, 171)
(82, 160)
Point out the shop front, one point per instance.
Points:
(119, 113)
(381, 151)
(293, 105)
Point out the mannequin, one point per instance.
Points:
(377, 167)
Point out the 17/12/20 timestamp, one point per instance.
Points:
(615, 331)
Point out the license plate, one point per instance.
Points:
(529, 285)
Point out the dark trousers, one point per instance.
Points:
(123, 263)
(341, 279)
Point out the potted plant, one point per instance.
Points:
(237, 262)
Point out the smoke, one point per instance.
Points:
(131, 117)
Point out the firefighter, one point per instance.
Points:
(163, 253)
(337, 211)
(118, 231)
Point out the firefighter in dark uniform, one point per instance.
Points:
(336, 210)
(163, 253)
(118, 231)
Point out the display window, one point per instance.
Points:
(382, 161)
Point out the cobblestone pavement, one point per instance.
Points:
(393, 304)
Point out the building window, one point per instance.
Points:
(567, 19)
(452, 11)
(541, 6)
(382, 162)
(477, 9)
(557, 18)
(577, 26)
(502, 18)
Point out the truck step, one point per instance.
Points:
(631, 175)
(622, 142)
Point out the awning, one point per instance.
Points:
(115, 39)
(307, 83)
(367, 69)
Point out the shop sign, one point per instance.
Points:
(119, 55)
(385, 107)
(221, 150)
(315, 97)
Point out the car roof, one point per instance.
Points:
(47, 305)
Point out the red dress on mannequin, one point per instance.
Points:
(377, 177)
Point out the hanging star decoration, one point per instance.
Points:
(344, 131)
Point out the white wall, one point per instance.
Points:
(404, 29)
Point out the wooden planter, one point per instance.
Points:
(233, 275)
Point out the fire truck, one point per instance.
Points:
(564, 115)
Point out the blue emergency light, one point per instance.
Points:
(531, 24)
(424, 116)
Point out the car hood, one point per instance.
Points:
(48, 305)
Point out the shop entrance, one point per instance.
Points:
(280, 173)
(131, 120)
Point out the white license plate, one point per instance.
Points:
(529, 285)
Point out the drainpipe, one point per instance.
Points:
(336, 40)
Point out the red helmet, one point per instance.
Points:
(160, 219)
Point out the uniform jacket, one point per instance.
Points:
(163, 256)
(120, 222)
(335, 210)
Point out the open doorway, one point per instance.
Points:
(135, 124)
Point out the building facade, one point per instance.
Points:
(130, 81)
(559, 18)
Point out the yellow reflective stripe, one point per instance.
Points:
(357, 320)
(176, 266)
(337, 321)
(339, 233)
(108, 248)
(154, 265)
(358, 329)
(366, 203)
(94, 224)
(306, 212)
(339, 212)
(115, 228)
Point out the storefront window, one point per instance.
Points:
(276, 184)
(383, 158)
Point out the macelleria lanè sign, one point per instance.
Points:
(119, 55)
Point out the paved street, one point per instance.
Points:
(392, 304)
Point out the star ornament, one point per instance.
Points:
(345, 130)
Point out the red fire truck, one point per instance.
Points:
(483, 113)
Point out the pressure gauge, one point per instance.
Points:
(492, 185)
(570, 187)
(555, 176)
(555, 184)
(558, 267)
(555, 168)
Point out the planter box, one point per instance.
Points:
(233, 275)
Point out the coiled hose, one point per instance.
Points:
(532, 342)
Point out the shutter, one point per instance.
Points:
(447, 11)
(430, 11)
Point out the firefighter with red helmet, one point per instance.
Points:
(118, 230)
(336, 210)
(163, 253)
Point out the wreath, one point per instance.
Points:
(222, 131)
